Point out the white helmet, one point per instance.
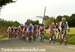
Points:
(30, 23)
(63, 19)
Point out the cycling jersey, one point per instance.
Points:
(63, 25)
(30, 28)
(25, 28)
(9, 29)
(15, 29)
(12, 29)
(35, 27)
(41, 28)
(51, 27)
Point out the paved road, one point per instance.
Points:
(10, 45)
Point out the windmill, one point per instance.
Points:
(43, 17)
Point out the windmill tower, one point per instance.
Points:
(43, 21)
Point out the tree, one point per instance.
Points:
(31, 21)
(49, 21)
(35, 22)
(4, 2)
(72, 20)
(4, 23)
(58, 18)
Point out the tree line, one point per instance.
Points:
(47, 20)
(5, 23)
(70, 19)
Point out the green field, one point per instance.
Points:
(72, 31)
(70, 36)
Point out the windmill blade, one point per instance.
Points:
(39, 16)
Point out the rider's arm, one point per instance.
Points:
(55, 28)
(68, 27)
(49, 28)
(32, 28)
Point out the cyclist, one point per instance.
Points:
(19, 32)
(34, 32)
(42, 29)
(12, 31)
(9, 32)
(52, 29)
(25, 32)
(37, 32)
(22, 31)
(30, 32)
(15, 32)
(63, 24)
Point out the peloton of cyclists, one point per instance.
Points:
(33, 32)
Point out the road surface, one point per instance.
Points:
(22, 46)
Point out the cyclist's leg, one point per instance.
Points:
(37, 35)
(65, 37)
(33, 36)
(16, 34)
(27, 35)
(53, 37)
(30, 36)
(32, 33)
(19, 34)
(42, 35)
(23, 35)
(9, 35)
(50, 37)
(60, 37)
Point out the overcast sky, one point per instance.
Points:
(29, 9)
